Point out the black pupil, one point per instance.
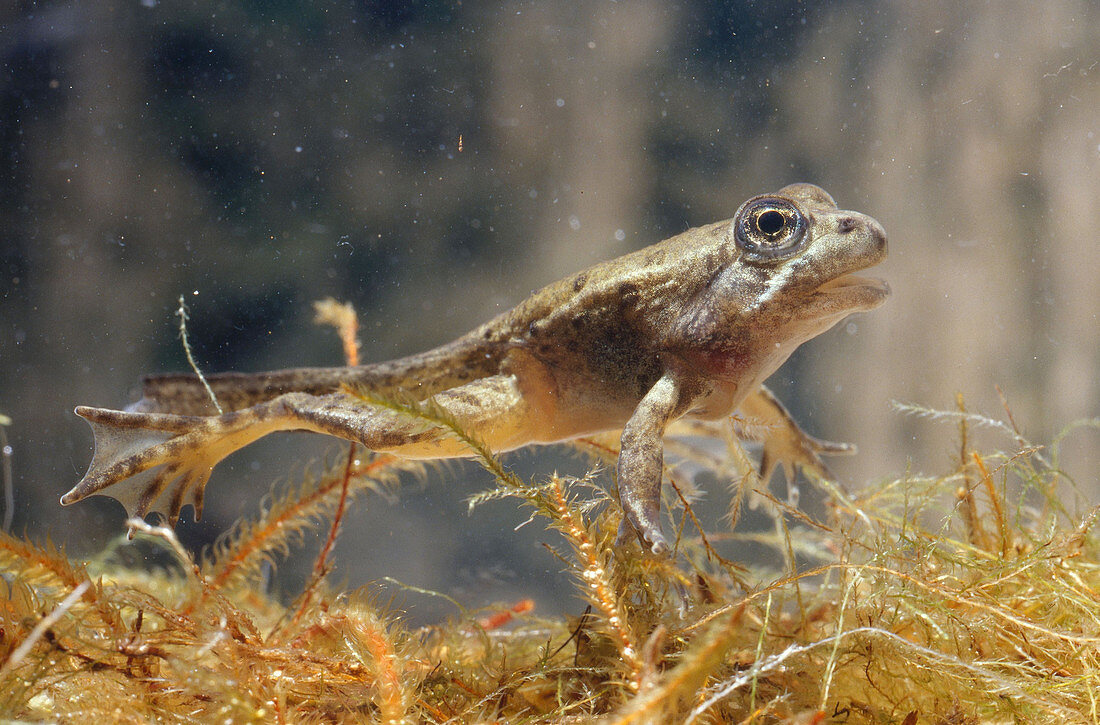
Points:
(770, 222)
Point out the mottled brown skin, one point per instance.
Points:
(689, 327)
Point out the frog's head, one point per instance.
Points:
(790, 275)
(800, 253)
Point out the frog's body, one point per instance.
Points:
(688, 327)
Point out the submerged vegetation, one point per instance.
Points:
(968, 597)
(928, 599)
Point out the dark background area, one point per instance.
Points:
(434, 162)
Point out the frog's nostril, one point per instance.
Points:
(847, 224)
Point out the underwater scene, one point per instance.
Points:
(550, 361)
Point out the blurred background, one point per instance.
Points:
(435, 162)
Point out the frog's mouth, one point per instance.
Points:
(850, 281)
(851, 293)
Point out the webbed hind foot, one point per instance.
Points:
(149, 461)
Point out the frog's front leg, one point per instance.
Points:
(641, 460)
(785, 443)
(158, 462)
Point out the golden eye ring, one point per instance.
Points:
(768, 228)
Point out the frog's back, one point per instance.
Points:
(631, 289)
(600, 336)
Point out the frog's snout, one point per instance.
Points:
(870, 229)
(878, 235)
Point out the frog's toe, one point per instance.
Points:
(658, 546)
(832, 448)
(648, 535)
(800, 452)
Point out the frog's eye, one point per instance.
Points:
(769, 227)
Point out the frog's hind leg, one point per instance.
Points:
(494, 410)
(157, 462)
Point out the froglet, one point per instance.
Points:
(687, 328)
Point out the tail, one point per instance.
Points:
(417, 376)
(185, 394)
